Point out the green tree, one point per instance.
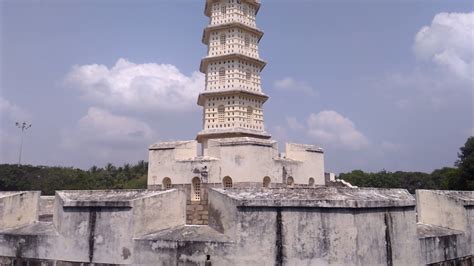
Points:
(466, 166)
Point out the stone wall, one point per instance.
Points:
(318, 226)
(246, 226)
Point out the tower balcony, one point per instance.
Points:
(208, 30)
(226, 92)
(208, 7)
(233, 56)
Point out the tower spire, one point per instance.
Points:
(232, 99)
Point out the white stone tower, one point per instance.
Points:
(232, 99)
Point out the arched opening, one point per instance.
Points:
(167, 183)
(311, 182)
(266, 181)
(196, 189)
(227, 182)
(223, 9)
(290, 182)
(221, 113)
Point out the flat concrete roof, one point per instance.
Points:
(4, 194)
(319, 197)
(34, 229)
(104, 198)
(430, 230)
(190, 233)
(465, 197)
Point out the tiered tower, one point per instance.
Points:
(232, 99)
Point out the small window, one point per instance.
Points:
(223, 9)
(221, 75)
(223, 39)
(266, 181)
(196, 189)
(221, 113)
(311, 182)
(289, 181)
(249, 114)
(167, 183)
(227, 182)
(248, 75)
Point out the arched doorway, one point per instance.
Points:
(167, 183)
(266, 181)
(227, 182)
(196, 189)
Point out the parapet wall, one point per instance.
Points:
(247, 226)
(445, 224)
(18, 208)
(243, 160)
(319, 226)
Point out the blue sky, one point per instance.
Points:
(378, 84)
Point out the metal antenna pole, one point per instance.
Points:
(23, 126)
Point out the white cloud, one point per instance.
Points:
(294, 124)
(448, 43)
(290, 84)
(12, 112)
(331, 128)
(137, 87)
(103, 129)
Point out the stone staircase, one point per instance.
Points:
(197, 212)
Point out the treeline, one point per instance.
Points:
(445, 178)
(49, 179)
(459, 178)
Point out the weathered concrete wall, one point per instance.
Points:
(435, 207)
(244, 160)
(185, 245)
(380, 231)
(158, 212)
(18, 208)
(46, 208)
(446, 224)
(247, 226)
(96, 226)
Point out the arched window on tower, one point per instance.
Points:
(227, 182)
(221, 113)
(290, 182)
(249, 114)
(223, 39)
(196, 189)
(223, 9)
(266, 181)
(245, 10)
(311, 182)
(221, 75)
(167, 183)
